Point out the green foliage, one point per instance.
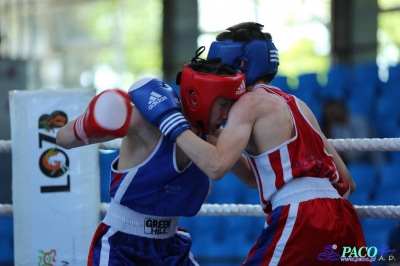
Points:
(387, 4)
(389, 37)
(388, 22)
(301, 59)
(131, 30)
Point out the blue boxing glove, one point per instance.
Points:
(160, 104)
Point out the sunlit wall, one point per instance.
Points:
(300, 29)
(102, 44)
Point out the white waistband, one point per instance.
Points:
(303, 189)
(128, 221)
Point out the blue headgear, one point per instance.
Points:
(255, 49)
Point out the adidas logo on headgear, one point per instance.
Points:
(241, 89)
(273, 56)
(155, 99)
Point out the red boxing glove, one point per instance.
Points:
(342, 187)
(108, 114)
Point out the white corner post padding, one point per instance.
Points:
(56, 192)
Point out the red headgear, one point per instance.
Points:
(201, 83)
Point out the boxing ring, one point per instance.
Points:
(47, 223)
(371, 211)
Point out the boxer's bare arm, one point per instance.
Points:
(67, 139)
(329, 148)
(217, 160)
(241, 169)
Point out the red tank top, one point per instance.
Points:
(303, 155)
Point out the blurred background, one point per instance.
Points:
(340, 56)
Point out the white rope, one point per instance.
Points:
(6, 210)
(255, 210)
(5, 146)
(388, 144)
(375, 211)
(389, 211)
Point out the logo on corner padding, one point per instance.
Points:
(56, 119)
(53, 162)
(155, 99)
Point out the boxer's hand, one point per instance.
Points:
(160, 104)
(342, 187)
(108, 114)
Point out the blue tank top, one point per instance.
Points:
(157, 187)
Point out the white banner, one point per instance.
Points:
(56, 192)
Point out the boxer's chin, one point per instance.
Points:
(213, 129)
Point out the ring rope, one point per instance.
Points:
(5, 146)
(374, 144)
(254, 210)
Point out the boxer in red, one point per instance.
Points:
(302, 181)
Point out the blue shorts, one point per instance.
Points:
(126, 237)
(110, 247)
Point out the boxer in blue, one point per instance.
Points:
(302, 181)
(153, 182)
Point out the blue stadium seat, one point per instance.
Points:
(377, 231)
(221, 193)
(233, 235)
(360, 197)
(226, 236)
(223, 239)
(387, 116)
(389, 175)
(338, 78)
(365, 85)
(394, 156)
(188, 223)
(391, 88)
(367, 73)
(364, 103)
(364, 175)
(376, 237)
(388, 127)
(309, 88)
(394, 236)
(250, 196)
(226, 190)
(240, 234)
(6, 240)
(386, 197)
(387, 193)
(394, 73)
(204, 231)
(256, 224)
(387, 108)
(281, 83)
